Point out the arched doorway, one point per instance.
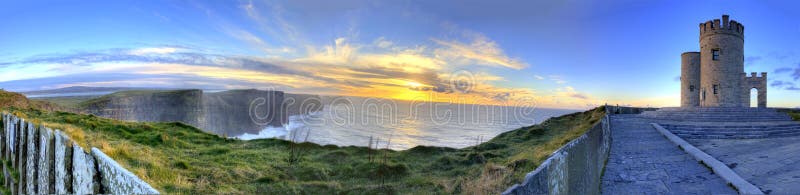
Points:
(753, 97)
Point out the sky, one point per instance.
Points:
(555, 54)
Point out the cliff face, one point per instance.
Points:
(246, 111)
(229, 113)
(179, 105)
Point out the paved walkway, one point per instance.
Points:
(772, 164)
(642, 161)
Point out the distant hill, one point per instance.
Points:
(82, 91)
(10, 99)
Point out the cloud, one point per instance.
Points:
(750, 60)
(782, 70)
(557, 79)
(274, 22)
(538, 77)
(796, 74)
(785, 85)
(481, 51)
(153, 50)
(579, 96)
(569, 91)
(382, 42)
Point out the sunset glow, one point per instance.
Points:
(513, 54)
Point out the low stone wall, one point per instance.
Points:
(627, 110)
(49, 162)
(575, 168)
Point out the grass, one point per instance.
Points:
(71, 102)
(102, 100)
(794, 113)
(178, 158)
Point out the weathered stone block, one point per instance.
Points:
(32, 159)
(19, 155)
(45, 162)
(83, 172)
(117, 180)
(62, 151)
(3, 136)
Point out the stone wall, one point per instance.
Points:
(575, 168)
(627, 110)
(754, 82)
(49, 162)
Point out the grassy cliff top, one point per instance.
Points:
(97, 102)
(177, 158)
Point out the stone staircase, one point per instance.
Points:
(724, 123)
(718, 114)
(741, 131)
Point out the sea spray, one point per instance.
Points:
(294, 125)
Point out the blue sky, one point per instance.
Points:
(572, 54)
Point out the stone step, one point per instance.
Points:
(736, 136)
(789, 126)
(716, 109)
(736, 132)
(720, 113)
(741, 131)
(715, 114)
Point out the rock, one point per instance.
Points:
(19, 154)
(45, 162)
(83, 172)
(31, 158)
(118, 180)
(3, 136)
(62, 151)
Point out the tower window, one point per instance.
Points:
(716, 89)
(691, 88)
(715, 54)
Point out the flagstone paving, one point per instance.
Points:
(771, 164)
(642, 161)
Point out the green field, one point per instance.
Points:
(177, 158)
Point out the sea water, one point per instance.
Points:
(400, 125)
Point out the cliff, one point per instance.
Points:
(247, 111)
(231, 112)
(179, 105)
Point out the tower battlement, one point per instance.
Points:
(724, 26)
(755, 74)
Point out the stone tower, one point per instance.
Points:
(714, 77)
(690, 79)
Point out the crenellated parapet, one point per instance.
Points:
(724, 26)
(754, 76)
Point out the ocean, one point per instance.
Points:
(400, 125)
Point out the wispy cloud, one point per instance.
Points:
(153, 50)
(480, 51)
(785, 85)
(782, 70)
(558, 79)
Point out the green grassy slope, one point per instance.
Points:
(177, 158)
(794, 113)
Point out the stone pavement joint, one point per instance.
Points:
(718, 167)
(642, 161)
